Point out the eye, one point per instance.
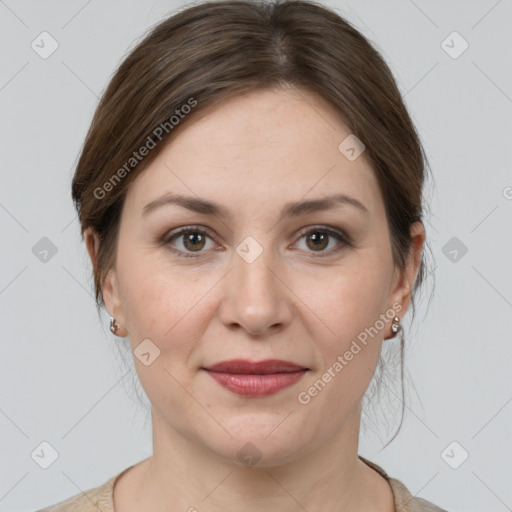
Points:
(194, 240)
(318, 238)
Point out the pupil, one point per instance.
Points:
(318, 239)
(193, 238)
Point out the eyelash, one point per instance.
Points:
(339, 235)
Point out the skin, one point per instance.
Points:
(252, 155)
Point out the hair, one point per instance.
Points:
(215, 50)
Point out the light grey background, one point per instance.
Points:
(62, 380)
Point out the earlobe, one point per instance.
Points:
(109, 288)
(112, 300)
(402, 292)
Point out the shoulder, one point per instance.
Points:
(406, 502)
(92, 500)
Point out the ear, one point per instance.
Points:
(109, 286)
(404, 280)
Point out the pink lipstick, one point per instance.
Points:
(256, 379)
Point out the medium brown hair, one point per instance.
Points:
(219, 49)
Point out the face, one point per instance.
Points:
(260, 278)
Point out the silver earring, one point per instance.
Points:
(395, 326)
(113, 325)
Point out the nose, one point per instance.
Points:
(256, 297)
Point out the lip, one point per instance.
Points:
(256, 379)
(242, 366)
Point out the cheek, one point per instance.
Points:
(353, 299)
(348, 358)
(162, 302)
(351, 307)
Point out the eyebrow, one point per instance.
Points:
(292, 209)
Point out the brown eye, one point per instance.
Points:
(193, 240)
(318, 239)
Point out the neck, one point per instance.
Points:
(182, 474)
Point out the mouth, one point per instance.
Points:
(256, 379)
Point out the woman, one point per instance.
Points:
(250, 195)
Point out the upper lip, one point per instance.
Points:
(241, 366)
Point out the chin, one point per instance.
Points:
(258, 441)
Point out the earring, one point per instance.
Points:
(394, 327)
(114, 326)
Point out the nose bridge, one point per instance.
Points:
(256, 299)
(254, 262)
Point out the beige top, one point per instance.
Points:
(101, 498)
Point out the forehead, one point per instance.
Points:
(271, 146)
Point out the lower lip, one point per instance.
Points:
(256, 385)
